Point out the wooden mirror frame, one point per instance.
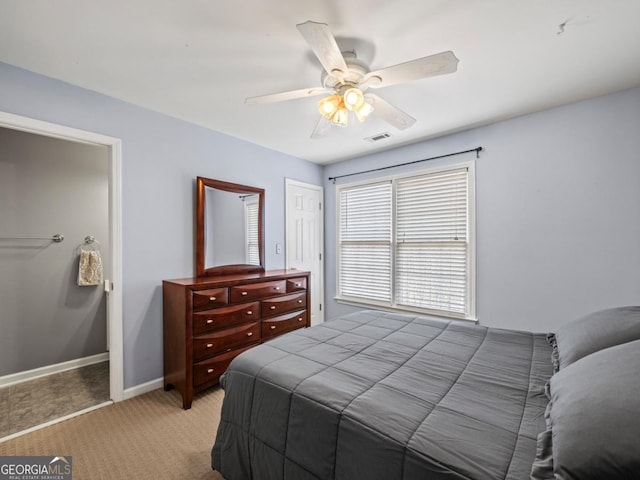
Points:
(201, 207)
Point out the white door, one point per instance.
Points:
(304, 236)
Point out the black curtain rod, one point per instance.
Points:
(477, 150)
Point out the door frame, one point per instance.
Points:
(114, 298)
(310, 186)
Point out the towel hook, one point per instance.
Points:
(90, 240)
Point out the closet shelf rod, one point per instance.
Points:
(58, 237)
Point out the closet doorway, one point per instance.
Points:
(305, 238)
(60, 200)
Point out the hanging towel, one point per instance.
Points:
(90, 271)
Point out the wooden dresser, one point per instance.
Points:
(208, 321)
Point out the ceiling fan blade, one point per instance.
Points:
(438, 64)
(324, 46)
(322, 128)
(290, 95)
(390, 113)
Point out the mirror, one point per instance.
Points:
(229, 228)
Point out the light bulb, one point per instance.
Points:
(340, 117)
(363, 111)
(353, 98)
(329, 105)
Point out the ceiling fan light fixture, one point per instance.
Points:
(328, 106)
(364, 109)
(340, 117)
(353, 98)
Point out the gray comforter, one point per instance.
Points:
(375, 395)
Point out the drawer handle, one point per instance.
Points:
(299, 301)
(212, 299)
(244, 294)
(228, 349)
(277, 288)
(249, 312)
(272, 327)
(209, 321)
(300, 319)
(272, 307)
(297, 284)
(210, 370)
(209, 345)
(249, 334)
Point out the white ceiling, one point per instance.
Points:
(198, 59)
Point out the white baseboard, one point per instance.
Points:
(27, 375)
(143, 388)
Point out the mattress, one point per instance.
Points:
(376, 395)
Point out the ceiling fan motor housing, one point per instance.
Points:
(341, 81)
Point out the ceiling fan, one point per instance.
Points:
(347, 80)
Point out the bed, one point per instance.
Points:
(377, 395)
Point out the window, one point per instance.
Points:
(365, 242)
(407, 242)
(252, 244)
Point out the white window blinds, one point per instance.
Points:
(404, 243)
(431, 247)
(253, 254)
(365, 242)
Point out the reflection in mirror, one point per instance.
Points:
(231, 224)
(229, 228)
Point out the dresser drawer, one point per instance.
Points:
(295, 284)
(210, 320)
(255, 291)
(204, 299)
(209, 371)
(284, 323)
(284, 304)
(226, 339)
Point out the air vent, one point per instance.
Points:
(378, 137)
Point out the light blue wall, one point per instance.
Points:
(558, 202)
(558, 211)
(161, 156)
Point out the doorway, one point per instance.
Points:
(304, 238)
(112, 302)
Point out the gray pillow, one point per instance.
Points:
(606, 328)
(593, 419)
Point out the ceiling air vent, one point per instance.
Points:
(378, 137)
